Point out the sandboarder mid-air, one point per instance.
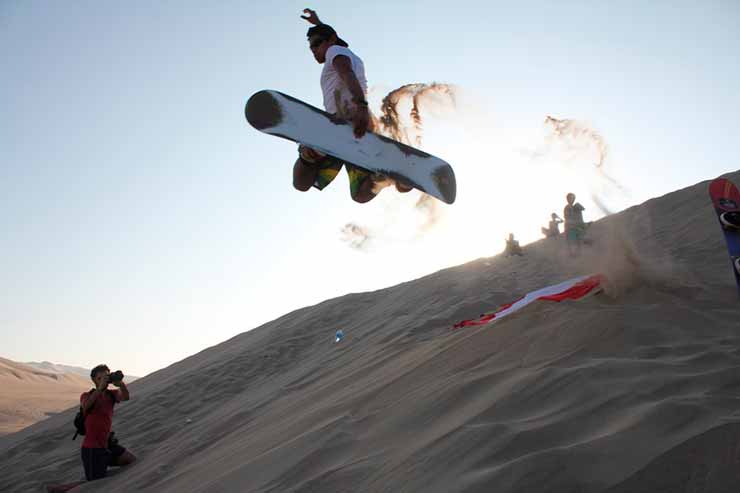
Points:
(344, 87)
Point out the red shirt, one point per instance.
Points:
(99, 419)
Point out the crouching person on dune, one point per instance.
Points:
(100, 448)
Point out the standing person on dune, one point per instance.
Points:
(575, 228)
(344, 87)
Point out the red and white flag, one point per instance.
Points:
(572, 289)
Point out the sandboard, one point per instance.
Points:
(726, 200)
(278, 114)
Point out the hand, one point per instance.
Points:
(361, 120)
(311, 17)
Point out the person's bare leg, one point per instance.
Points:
(571, 248)
(304, 175)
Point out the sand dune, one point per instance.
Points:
(707, 462)
(635, 389)
(28, 394)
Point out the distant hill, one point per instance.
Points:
(75, 370)
(29, 394)
(57, 368)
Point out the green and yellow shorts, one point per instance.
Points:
(574, 234)
(329, 167)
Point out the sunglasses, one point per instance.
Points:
(316, 43)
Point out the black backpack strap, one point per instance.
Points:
(88, 396)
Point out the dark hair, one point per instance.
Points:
(98, 368)
(325, 31)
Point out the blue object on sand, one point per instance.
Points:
(339, 336)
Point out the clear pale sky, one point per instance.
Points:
(143, 220)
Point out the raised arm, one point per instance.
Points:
(124, 391)
(361, 116)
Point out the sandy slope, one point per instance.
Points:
(639, 384)
(28, 394)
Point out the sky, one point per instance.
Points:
(144, 220)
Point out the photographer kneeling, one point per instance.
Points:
(100, 448)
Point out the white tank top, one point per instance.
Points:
(337, 98)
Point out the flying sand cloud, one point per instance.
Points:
(403, 112)
(492, 163)
(575, 143)
(577, 139)
(355, 236)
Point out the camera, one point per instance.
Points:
(115, 377)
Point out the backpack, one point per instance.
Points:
(79, 420)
